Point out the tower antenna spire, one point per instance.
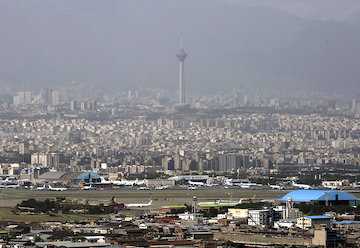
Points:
(181, 39)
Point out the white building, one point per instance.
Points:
(258, 217)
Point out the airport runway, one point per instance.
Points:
(10, 197)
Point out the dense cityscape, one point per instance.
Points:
(104, 144)
(232, 145)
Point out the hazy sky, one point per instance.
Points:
(334, 10)
(121, 44)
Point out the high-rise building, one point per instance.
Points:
(181, 55)
(27, 97)
(50, 160)
(229, 162)
(331, 104)
(22, 97)
(23, 148)
(55, 97)
(16, 100)
(72, 105)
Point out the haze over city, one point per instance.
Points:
(115, 45)
(168, 123)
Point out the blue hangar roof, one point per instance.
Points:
(308, 195)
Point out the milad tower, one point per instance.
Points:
(181, 55)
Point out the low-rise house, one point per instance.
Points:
(308, 222)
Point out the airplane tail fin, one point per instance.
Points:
(240, 201)
(150, 202)
(254, 197)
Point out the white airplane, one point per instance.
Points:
(11, 186)
(143, 188)
(161, 187)
(275, 186)
(195, 183)
(332, 187)
(119, 183)
(247, 185)
(356, 184)
(130, 183)
(2, 180)
(138, 205)
(41, 187)
(141, 183)
(220, 203)
(56, 189)
(302, 186)
(8, 183)
(88, 187)
(212, 184)
(228, 182)
(105, 181)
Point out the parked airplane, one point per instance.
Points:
(2, 180)
(41, 187)
(196, 183)
(56, 189)
(87, 187)
(162, 187)
(275, 186)
(12, 186)
(8, 183)
(138, 205)
(119, 183)
(130, 183)
(247, 185)
(302, 186)
(228, 182)
(220, 203)
(105, 181)
(143, 188)
(332, 187)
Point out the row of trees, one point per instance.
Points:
(56, 206)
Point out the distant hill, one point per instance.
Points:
(119, 44)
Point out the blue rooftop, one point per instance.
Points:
(308, 195)
(318, 217)
(346, 222)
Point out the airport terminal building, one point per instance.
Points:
(71, 177)
(320, 197)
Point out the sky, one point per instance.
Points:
(125, 44)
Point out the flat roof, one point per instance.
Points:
(318, 217)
